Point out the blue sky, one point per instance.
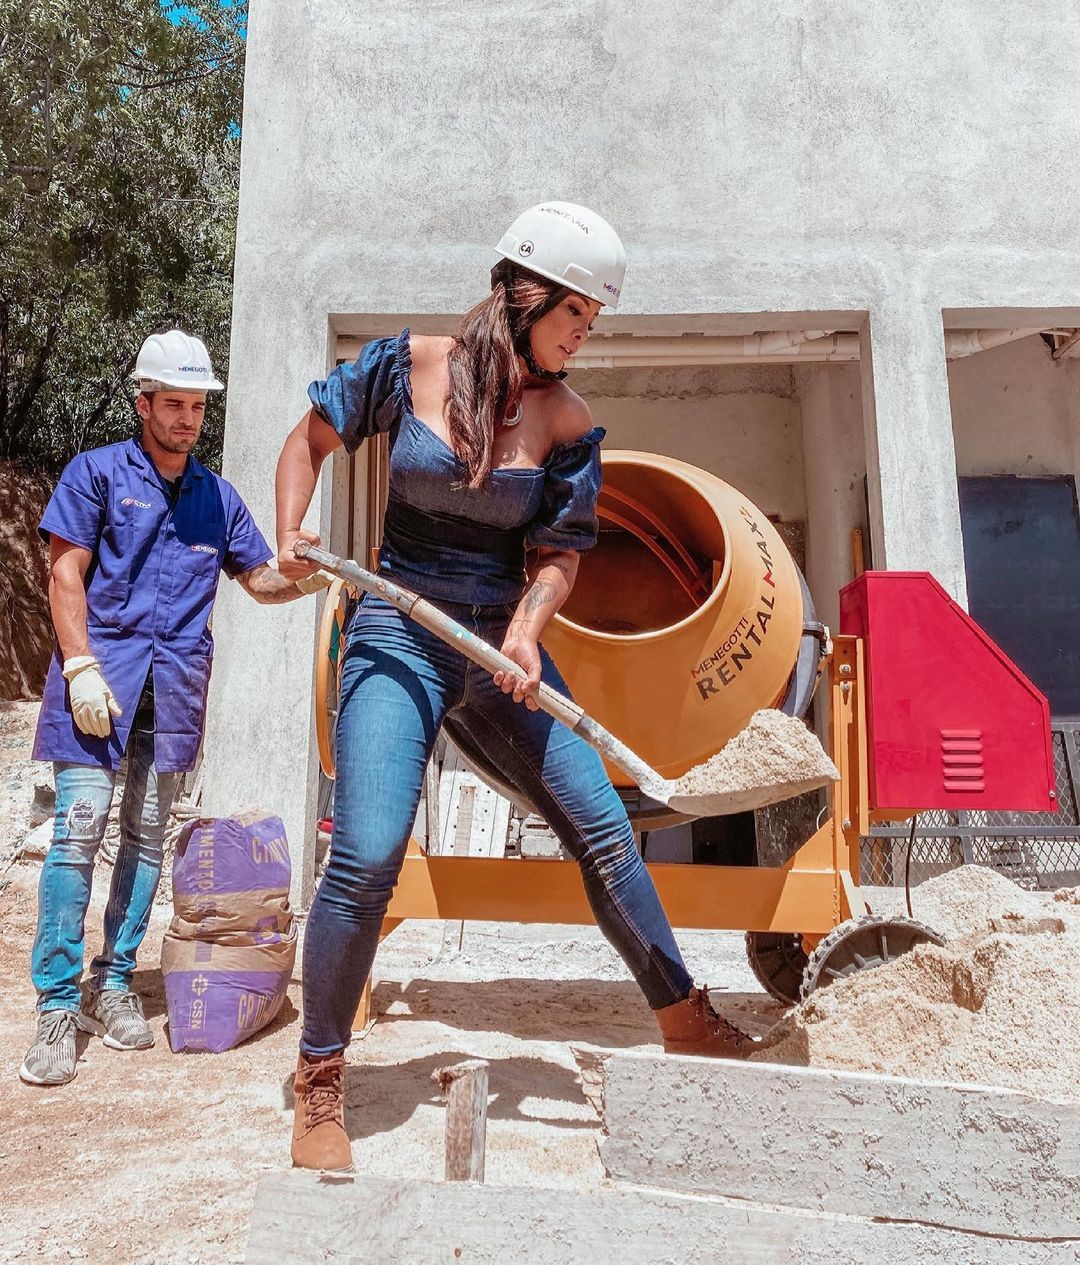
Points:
(183, 13)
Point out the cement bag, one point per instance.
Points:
(228, 955)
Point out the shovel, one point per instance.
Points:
(662, 789)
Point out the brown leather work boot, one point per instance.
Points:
(691, 1026)
(319, 1139)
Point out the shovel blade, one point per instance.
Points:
(740, 799)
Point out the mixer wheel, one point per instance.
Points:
(778, 959)
(861, 944)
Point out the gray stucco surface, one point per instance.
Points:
(966, 1157)
(354, 1221)
(871, 162)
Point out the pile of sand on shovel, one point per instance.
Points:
(774, 757)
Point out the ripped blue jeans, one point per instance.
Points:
(84, 796)
(399, 683)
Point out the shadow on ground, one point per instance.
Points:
(381, 1098)
(598, 1012)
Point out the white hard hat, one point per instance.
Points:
(177, 360)
(571, 245)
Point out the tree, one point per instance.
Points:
(119, 163)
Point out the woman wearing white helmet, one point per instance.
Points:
(491, 456)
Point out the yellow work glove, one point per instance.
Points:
(314, 582)
(92, 702)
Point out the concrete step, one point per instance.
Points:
(300, 1217)
(964, 1156)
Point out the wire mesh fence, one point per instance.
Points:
(1036, 850)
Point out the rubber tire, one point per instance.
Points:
(860, 944)
(778, 961)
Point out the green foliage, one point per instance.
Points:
(119, 166)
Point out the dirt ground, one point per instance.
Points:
(17, 776)
(155, 1156)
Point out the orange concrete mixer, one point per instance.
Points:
(687, 617)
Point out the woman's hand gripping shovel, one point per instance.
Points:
(727, 798)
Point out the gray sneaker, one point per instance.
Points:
(51, 1059)
(115, 1014)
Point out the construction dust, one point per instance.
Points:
(773, 750)
(996, 1006)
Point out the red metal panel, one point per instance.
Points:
(952, 722)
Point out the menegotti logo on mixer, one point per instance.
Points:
(730, 657)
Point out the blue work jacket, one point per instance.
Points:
(150, 588)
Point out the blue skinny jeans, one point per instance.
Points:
(399, 682)
(83, 798)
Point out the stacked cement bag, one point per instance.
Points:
(228, 956)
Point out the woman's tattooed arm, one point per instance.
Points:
(542, 592)
(553, 578)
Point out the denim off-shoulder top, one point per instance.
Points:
(440, 538)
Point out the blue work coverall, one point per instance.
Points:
(157, 551)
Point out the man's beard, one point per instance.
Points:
(178, 446)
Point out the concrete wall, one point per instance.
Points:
(740, 423)
(862, 161)
(834, 455)
(1016, 411)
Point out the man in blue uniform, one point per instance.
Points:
(139, 533)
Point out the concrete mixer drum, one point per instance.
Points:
(687, 617)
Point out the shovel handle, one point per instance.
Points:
(434, 620)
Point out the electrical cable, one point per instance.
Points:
(907, 864)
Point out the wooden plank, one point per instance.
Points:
(466, 1087)
(449, 779)
(491, 819)
(420, 830)
(431, 804)
(474, 818)
(302, 1217)
(500, 828)
(463, 811)
(853, 897)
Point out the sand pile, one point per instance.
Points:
(774, 757)
(968, 904)
(995, 1007)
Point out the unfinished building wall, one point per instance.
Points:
(1016, 410)
(741, 423)
(765, 173)
(835, 459)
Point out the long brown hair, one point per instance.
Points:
(485, 374)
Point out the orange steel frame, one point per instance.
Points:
(813, 891)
